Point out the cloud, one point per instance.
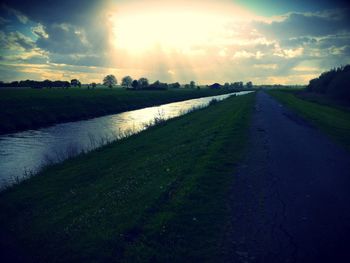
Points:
(3, 21)
(16, 41)
(18, 14)
(80, 60)
(39, 31)
(289, 53)
(333, 40)
(244, 54)
(296, 25)
(49, 12)
(67, 27)
(265, 66)
(62, 39)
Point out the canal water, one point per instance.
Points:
(24, 153)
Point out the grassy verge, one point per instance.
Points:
(333, 120)
(29, 108)
(323, 100)
(158, 196)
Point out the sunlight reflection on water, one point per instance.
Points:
(25, 152)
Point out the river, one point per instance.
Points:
(25, 153)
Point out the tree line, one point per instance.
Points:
(126, 82)
(36, 84)
(334, 83)
(41, 84)
(139, 84)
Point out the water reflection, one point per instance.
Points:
(23, 153)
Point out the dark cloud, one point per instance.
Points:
(297, 41)
(298, 25)
(334, 40)
(80, 60)
(3, 21)
(66, 27)
(15, 41)
(345, 51)
(53, 11)
(63, 39)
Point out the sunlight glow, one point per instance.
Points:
(170, 28)
(167, 30)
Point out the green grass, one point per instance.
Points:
(327, 116)
(323, 100)
(28, 108)
(158, 196)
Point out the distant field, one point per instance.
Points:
(28, 108)
(158, 196)
(324, 113)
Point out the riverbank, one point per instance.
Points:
(31, 109)
(160, 195)
(331, 118)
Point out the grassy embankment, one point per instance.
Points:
(28, 108)
(157, 196)
(329, 117)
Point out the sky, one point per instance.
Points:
(266, 42)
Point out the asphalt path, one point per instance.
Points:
(290, 201)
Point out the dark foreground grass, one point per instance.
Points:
(326, 115)
(30, 108)
(158, 196)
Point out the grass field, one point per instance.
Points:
(158, 196)
(329, 117)
(28, 108)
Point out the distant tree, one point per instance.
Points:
(14, 84)
(135, 84)
(93, 85)
(157, 85)
(175, 85)
(110, 81)
(249, 85)
(237, 85)
(75, 83)
(192, 84)
(47, 83)
(227, 85)
(143, 83)
(187, 86)
(126, 81)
